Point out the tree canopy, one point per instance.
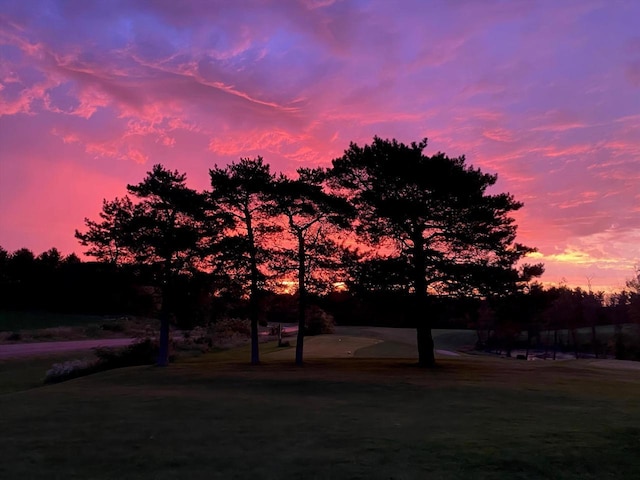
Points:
(436, 215)
(243, 191)
(167, 229)
(310, 213)
(434, 224)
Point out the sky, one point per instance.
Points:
(544, 93)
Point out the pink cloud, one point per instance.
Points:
(557, 121)
(568, 151)
(137, 156)
(499, 135)
(544, 95)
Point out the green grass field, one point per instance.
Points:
(15, 321)
(214, 416)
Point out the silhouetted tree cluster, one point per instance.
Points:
(560, 319)
(445, 233)
(428, 232)
(55, 283)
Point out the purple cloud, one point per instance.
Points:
(543, 93)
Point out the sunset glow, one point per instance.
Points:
(544, 93)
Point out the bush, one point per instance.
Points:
(112, 327)
(59, 372)
(144, 352)
(198, 336)
(318, 322)
(200, 339)
(229, 327)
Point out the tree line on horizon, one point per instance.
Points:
(383, 218)
(554, 319)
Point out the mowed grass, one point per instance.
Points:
(24, 373)
(15, 321)
(214, 416)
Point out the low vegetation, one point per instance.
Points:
(20, 327)
(143, 352)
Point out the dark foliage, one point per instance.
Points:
(144, 352)
(244, 191)
(170, 230)
(312, 215)
(453, 237)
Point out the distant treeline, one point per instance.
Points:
(56, 283)
(386, 236)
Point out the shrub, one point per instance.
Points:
(318, 322)
(54, 333)
(112, 327)
(144, 352)
(198, 336)
(59, 372)
(228, 327)
(200, 339)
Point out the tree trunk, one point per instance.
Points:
(255, 346)
(301, 299)
(163, 347)
(426, 354)
(253, 294)
(163, 350)
(546, 345)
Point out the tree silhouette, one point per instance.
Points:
(50, 259)
(243, 191)
(436, 213)
(309, 212)
(4, 262)
(379, 274)
(633, 284)
(109, 239)
(21, 273)
(168, 230)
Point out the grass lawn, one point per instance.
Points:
(24, 373)
(216, 417)
(14, 321)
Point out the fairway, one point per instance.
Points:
(377, 342)
(214, 416)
